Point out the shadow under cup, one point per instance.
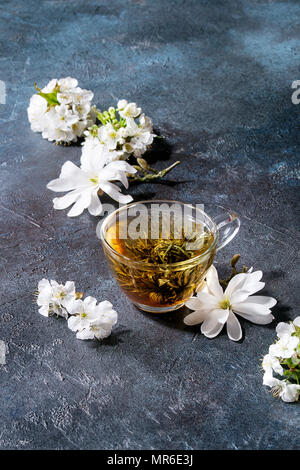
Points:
(159, 286)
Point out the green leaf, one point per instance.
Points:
(51, 98)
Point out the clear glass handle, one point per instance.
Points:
(228, 225)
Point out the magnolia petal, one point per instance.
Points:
(196, 317)
(94, 156)
(239, 296)
(121, 176)
(259, 319)
(267, 302)
(255, 287)
(250, 308)
(214, 322)
(95, 207)
(252, 282)
(71, 177)
(234, 284)
(245, 281)
(114, 192)
(233, 326)
(117, 170)
(211, 329)
(254, 276)
(61, 184)
(65, 201)
(207, 299)
(194, 303)
(82, 203)
(212, 282)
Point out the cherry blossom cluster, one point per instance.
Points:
(61, 110)
(87, 318)
(123, 131)
(282, 364)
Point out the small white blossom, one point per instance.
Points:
(67, 84)
(130, 110)
(271, 363)
(110, 137)
(121, 104)
(213, 307)
(90, 320)
(296, 322)
(85, 183)
(283, 329)
(284, 360)
(287, 391)
(50, 87)
(285, 347)
(54, 297)
(141, 135)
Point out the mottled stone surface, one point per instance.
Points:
(216, 79)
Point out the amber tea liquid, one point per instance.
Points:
(151, 276)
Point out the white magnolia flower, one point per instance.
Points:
(62, 112)
(287, 391)
(214, 307)
(285, 347)
(54, 297)
(91, 320)
(271, 363)
(84, 185)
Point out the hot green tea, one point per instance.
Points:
(162, 271)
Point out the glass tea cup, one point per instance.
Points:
(160, 251)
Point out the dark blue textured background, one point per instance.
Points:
(216, 79)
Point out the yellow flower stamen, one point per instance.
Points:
(94, 180)
(225, 303)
